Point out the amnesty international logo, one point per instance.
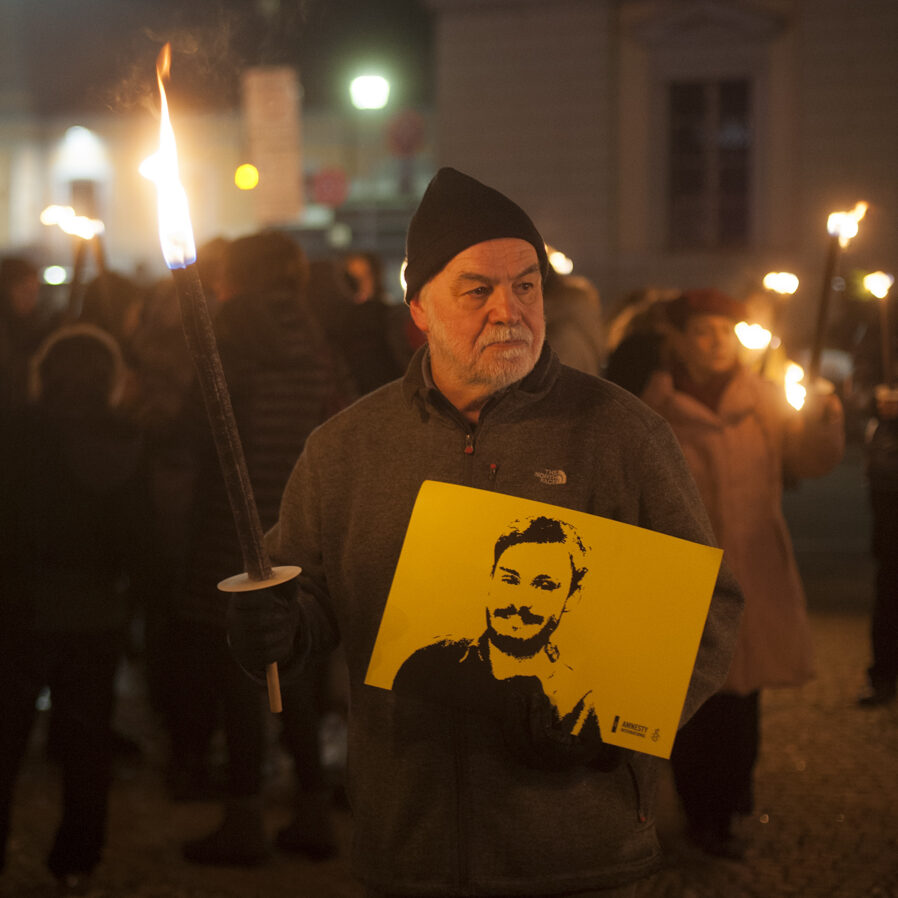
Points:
(630, 728)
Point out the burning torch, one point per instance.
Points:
(879, 283)
(88, 231)
(784, 284)
(842, 226)
(179, 251)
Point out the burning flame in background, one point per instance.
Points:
(783, 282)
(70, 223)
(755, 337)
(752, 336)
(844, 225)
(879, 283)
(175, 229)
(795, 391)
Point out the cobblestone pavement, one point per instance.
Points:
(826, 821)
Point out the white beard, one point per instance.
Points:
(492, 368)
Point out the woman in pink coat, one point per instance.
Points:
(740, 438)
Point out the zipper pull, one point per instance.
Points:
(469, 444)
(493, 469)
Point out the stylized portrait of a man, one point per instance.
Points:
(538, 565)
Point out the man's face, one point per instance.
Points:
(483, 316)
(527, 596)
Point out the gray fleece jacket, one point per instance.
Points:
(441, 806)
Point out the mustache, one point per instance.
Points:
(505, 333)
(524, 613)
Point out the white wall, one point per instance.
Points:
(524, 102)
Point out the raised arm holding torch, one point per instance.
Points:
(179, 251)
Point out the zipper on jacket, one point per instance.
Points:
(641, 815)
(469, 458)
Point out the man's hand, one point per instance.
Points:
(822, 405)
(539, 738)
(262, 625)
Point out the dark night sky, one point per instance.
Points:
(90, 55)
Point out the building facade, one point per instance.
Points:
(657, 143)
(677, 143)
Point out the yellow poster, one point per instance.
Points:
(489, 587)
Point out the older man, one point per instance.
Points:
(450, 802)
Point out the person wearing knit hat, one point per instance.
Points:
(497, 795)
(704, 301)
(456, 212)
(703, 341)
(474, 275)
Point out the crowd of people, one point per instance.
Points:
(117, 529)
(116, 524)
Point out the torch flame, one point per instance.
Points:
(844, 225)
(175, 230)
(559, 261)
(795, 391)
(783, 282)
(70, 223)
(752, 336)
(879, 283)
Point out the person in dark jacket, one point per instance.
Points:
(73, 499)
(283, 383)
(161, 381)
(23, 324)
(443, 803)
(880, 389)
(574, 321)
(376, 332)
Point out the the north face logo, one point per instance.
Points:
(553, 478)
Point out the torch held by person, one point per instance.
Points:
(879, 283)
(179, 250)
(87, 231)
(783, 284)
(842, 226)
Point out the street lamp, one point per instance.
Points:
(368, 92)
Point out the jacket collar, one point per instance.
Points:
(419, 389)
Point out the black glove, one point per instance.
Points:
(262, 625)
(540, 738)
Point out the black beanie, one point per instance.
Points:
(456, 212)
